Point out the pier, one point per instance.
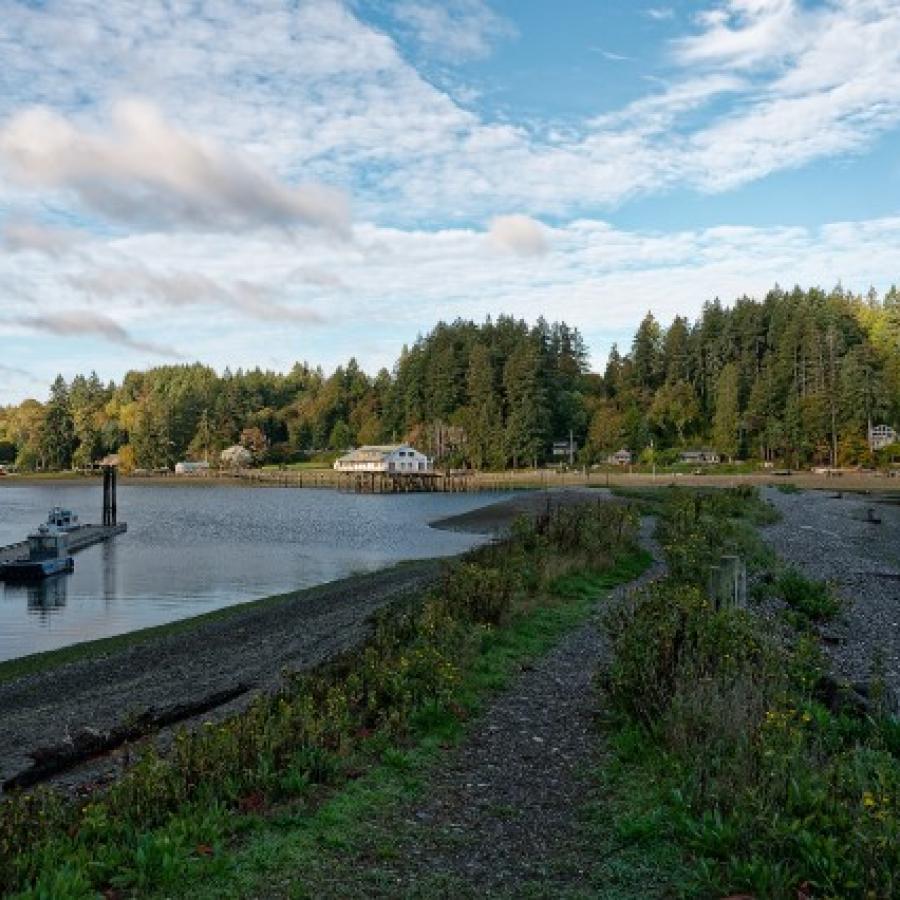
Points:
(404, 482)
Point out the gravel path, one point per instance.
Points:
(501, 817)
(828, 537)
(250, 646)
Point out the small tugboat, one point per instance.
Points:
(63, 519)
(47, 555)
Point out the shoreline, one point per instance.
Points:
(99, 684)
(484, 482)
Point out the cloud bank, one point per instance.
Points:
(145, 172)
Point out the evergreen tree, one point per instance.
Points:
(727, 416)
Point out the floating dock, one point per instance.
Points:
(82, 536)
(77, 539)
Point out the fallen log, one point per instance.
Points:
(89, 743)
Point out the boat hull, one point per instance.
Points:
(36, 570)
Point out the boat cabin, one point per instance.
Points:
(63, 519)
(46, 543)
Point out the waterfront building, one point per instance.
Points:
(396, 458)
(881, 436)
(189, 467)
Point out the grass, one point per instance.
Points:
(813, 601)
(52, 659)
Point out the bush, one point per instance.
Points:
(813, 600)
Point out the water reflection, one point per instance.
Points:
(48, 596)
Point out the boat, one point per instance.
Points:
(47, 556)
(63, 519)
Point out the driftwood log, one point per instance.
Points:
(89, 743)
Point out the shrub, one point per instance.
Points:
(814, 600)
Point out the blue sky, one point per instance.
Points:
(252, 182)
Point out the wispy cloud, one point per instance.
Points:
(18, 374)
(453, 30)
(87, 323)
(612, 57)
(22, 237)
(660, 13)
(183, 289)
(144, 172)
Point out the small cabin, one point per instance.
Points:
(46, 544)
(621, 457)
(882, 436)
(564, 448)
(699, 457)
(188, 467)
(401, 459)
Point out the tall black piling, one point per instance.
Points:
(109, 495)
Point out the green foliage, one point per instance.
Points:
(796, 377)
(813, 600)
(766, 790)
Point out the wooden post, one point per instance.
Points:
(109, 495)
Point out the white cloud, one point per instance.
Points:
(313, 93)
(660, 13)
(519, 234)
(453, 29)
(182, 289)
(399, 282)
(744, 33)
(148, 173)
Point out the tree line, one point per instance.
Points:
(797, 377)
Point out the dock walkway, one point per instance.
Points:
(77, 539)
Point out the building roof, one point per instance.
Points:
(373, 452)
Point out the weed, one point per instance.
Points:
(813, 600)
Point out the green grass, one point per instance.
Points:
(812, 600)
(51, 659)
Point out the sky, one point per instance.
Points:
(256, 182)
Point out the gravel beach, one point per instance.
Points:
(498, 517)
(828, 536)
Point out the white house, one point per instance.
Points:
(187, 467)
(881, 436)
(398, 458)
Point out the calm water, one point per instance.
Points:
(191, 549)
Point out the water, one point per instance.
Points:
(195, 548)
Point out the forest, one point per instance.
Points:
(795, 378)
